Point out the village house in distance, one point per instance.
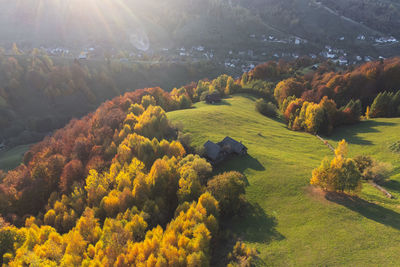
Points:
(218, 152)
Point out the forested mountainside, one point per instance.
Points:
(362, 15)
(39, 94)
(114, 188)
(380, 15)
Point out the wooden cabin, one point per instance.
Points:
(213, 98)
(218, 152)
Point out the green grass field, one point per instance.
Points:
(10, 159)
(290, 223)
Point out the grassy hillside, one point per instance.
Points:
(290, 223)
(374, 137)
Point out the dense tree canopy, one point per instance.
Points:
(322, 100)
(116, 188)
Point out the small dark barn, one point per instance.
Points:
(213, 98)
(219, 152)
(232, 146)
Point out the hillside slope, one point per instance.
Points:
(54, 90)
(289, 223)
(132, 23)
(216, 24)
(381, 15)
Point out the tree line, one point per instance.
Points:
(54, 90)
(321, 100)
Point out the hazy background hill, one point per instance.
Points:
(132, 22)
(219, 24)
(381, 15)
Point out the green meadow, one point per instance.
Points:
(289, 222)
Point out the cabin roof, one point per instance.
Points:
(212, 150)
(213, 96)
(235, 145)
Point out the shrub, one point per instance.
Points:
(363, 162)
(266, 108)
(185, 139)
(395, 147)
(229, 189)
(371, 169)
(242, 255)
(378, 172)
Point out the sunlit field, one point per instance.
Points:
(290, 223)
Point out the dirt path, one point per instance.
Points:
(383, 190)
(326, 143)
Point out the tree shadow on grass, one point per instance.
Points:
(240, 164)
(350, 133)
(392, 185)
(369, 210)
(253, 225)
(248, 96)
